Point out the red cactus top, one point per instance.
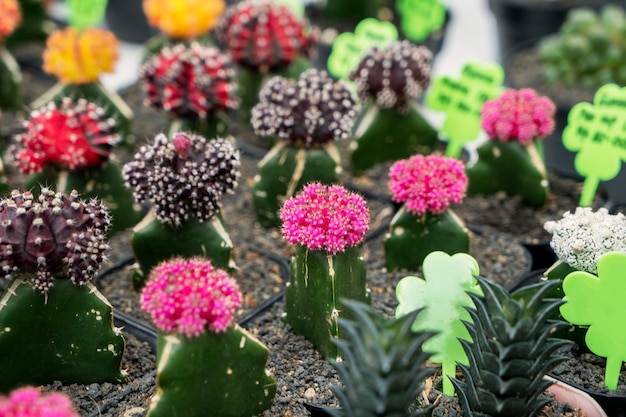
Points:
(264, 35)
(521, 115)
(29, 402)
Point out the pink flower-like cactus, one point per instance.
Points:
(427, 183)
(190, 81)
(264, 35)
(74, 135)
(29, 402)
(189, 296)
(52, 236)
(323, 217)
(521, 115)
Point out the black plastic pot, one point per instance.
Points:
(613, 405)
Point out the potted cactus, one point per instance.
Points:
(184, 179)
(391, 126)
(306, 116)
(11, 94)
(326, 223)
(204, 361)
(68, 146)
(512, 160)
(29, 402)
(52, 247)
(425, 186)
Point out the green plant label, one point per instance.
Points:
(85, 13)
(597, 132)
(443, 294)
(419, 18)
(296, 6)
(349, 48)
(462, 100)
(598, 302)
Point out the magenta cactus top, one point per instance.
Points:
(520, 115)
(323, 217)
(191, 82)
(190, 296)
(29, 402)
(427, 184)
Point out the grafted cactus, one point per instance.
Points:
(11, 94)
(326, 223)
(50, 248)
(29, 402)
(391, 127)
(204, 361)
(184, 179)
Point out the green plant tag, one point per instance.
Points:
(462, 101)
(296, 6)
(597, 132)
(598, 302)
(419, 18)
(85, 13)
(349, 48)
(443, 293)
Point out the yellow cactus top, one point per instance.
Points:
(183, 19)
(80, 57)
(10, 17)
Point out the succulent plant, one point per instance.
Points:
(306, 116)
(184, 179)
(11, 94)
(384, 364)
(588, 50)
(512, 350)
(512, 161)
(345, 13)
(29, 402)
(205, 362)
(193, 84)
(36, 24)
(50, 248)
(392, 126)
(326, 223)
(425, 186)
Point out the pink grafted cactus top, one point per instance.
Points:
(29, 402)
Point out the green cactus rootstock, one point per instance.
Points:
(387, 135)
(312, 298)
(384, 364)
(211, 127)
(65, 335)
(36, 24)
(153, 242)
(11, 91)
(222, 374)
(285, 170)
(411, 238)
(510, 167)
(513, 348)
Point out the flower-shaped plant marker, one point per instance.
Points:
(462, 100)
(326, 223)
(419, 18)
(597, 133)
(443, 293)
(29, 402)
(426, 186)
(512, 160)
(83, 14)
(11, 94)
(350, 48)
(598, 302)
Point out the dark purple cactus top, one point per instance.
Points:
(310, 111)
(29, 402)
(184, 177)
(53, 236)
(394, 76)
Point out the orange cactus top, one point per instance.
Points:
(10, 17)
(183, 19)
(79, 57)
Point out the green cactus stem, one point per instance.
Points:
(411, 238)
(319, 280)
(65, 335)
(387, 135)
(211, 127)
(285, 170)
(153, 241)
(343, 11)
(511, 167)
(11, 92)
(221, 372)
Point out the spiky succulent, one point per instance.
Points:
(383, 366)
(190, 81)
(394, 76)
(264, 35)
(52, 236)
(184, 177)
(310, 111)
(512, 350)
